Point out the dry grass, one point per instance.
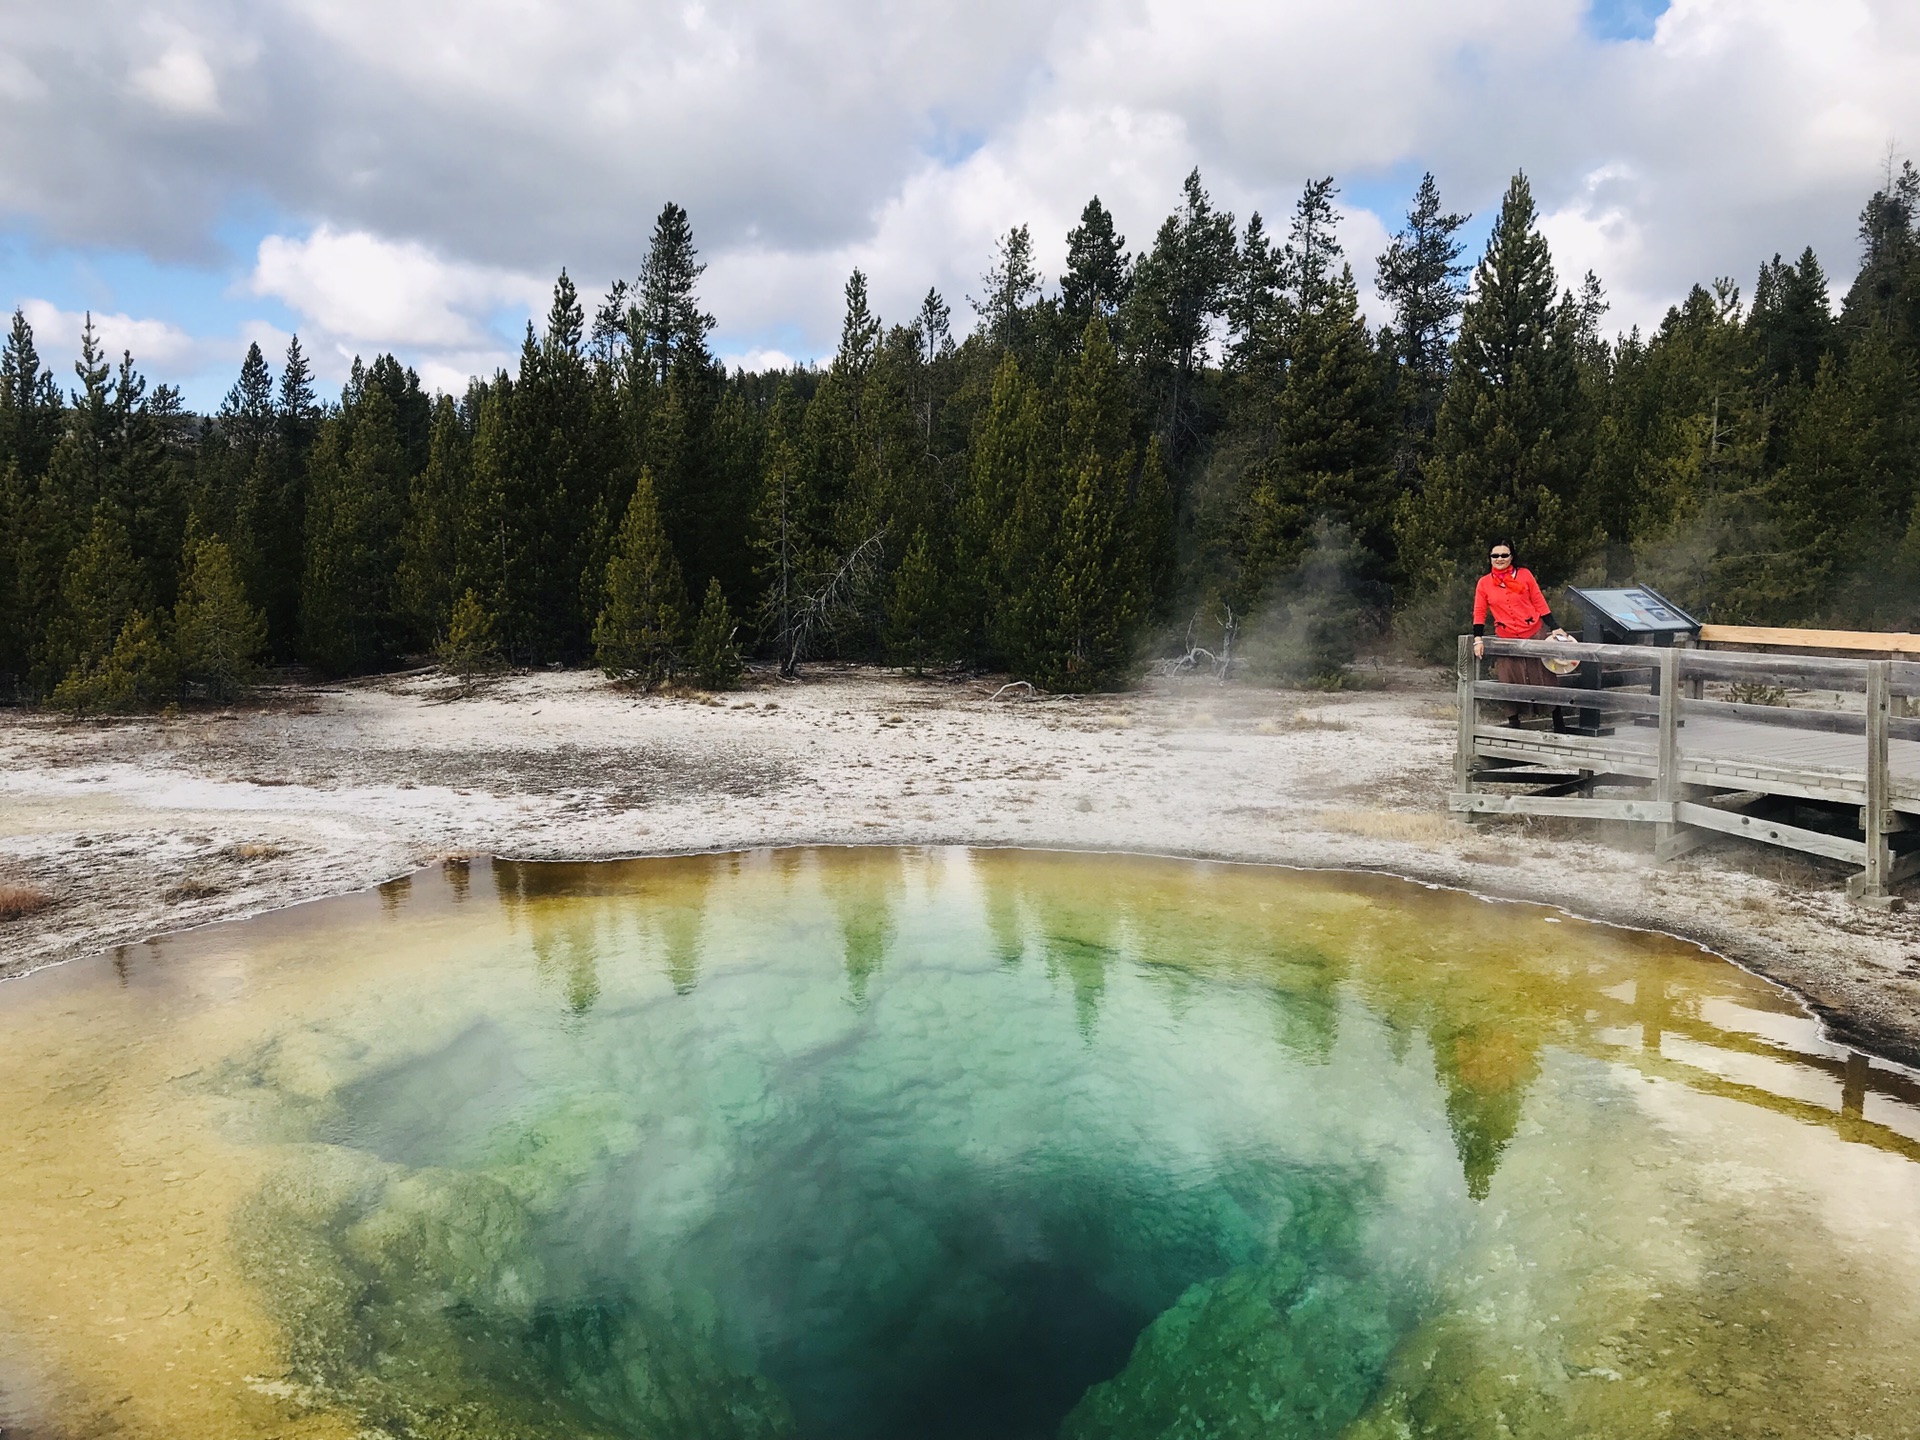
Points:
(193, 888)
(254, 850)
(1299, 720)
(19, 901)
(1489, 857)
(1415, 825)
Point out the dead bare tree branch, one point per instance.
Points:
(1219, 663)
(819, 613)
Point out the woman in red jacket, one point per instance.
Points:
(1511, 595)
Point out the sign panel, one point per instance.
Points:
(1638, 611)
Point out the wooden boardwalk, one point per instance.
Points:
(1839, 782)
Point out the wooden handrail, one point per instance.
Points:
(1872, 642)
(1814, 672)
(1641, 655)
(1830, 722)
(1570, 697)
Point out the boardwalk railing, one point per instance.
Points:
(1702, 743)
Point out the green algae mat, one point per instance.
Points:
(868, 1144)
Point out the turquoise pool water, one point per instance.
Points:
(877, 1144)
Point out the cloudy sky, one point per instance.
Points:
(409, 175)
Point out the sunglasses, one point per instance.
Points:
(1503, 554)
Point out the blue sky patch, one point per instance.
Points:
(1625, 19)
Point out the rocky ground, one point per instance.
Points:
(134, 828)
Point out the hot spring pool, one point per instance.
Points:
(881, 1144)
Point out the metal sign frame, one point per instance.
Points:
(1603, 615)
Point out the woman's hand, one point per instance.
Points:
(1479, 647)
(1562, 637)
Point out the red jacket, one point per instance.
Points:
(1514, 597)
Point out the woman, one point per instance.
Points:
(1520, 612)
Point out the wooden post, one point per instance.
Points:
(1466, 675)
(1696, 686)
(1668, 840)
(1871, 883)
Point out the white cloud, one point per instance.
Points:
(504, 139)
(759, 358)
(359, 289)
(180, 80)
(157, 346)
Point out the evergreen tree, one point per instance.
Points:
(349, 612)
(1885, 294)
(860, 331)
(535, 478)
(1330, 460)
(33, 537)
(713, 655)
(1096, 281)
(101, 590)
(270, 521)
(914, 608)
(1152, 556)
(1010, 288)
(430, 534)
(30, 403)
(217, 633)
(247, 412)
(1180, 288)
(14, 642)
(1006, 519)
(1257, 311)
(1308, 264)
(138, 673)
(553, 458)
(1844, 497)
(639, 633)
(788, 519)
(1093, 596)
(489, 544)
(1790, 321)
(933, 330)
(77, 479)
(469, 648)
(141, 475)
(1510, 452)
(670, 329)
(1420, 276)
(231, 449)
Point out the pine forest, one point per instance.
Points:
(1197, 444)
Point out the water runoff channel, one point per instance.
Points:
(877, 1144)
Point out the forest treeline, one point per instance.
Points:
(1164, 444)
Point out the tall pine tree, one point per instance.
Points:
(1511, 448)
(349, 601)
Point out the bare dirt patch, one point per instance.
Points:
(147, 825)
